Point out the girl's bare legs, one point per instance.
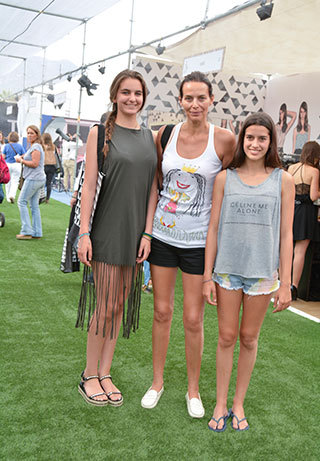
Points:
(300, 249)
(254, 311)
(228, 308)
(164, 279)
(94, 348)
(101, 348)
(193, 310)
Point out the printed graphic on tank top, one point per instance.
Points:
(183, 212)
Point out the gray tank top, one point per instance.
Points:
(249, 227)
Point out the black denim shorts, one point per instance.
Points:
(189, 260)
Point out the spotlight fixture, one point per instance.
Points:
(69, 78)
(31, 92)
(102, 69)
(160, 49)
(265, 11)
(50, 86)
(50, 97)
(63, 136)
(86, 83)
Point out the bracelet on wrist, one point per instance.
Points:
(206, 281)
(145, 234)
(147, 238)
(82, 235)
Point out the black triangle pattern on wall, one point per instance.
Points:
(235, 97)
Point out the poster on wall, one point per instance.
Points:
(294, 104)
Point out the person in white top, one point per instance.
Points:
(69, 154)
(195, 153)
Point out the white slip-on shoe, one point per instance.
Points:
(151, 398)
(195, 407)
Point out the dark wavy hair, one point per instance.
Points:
(283, 109)
(310, 154)
(196, 76)
(303, 106)
(271, 158)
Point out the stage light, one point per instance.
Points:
(86, 83)
(63, 136)
(102, 69)
(31, 92)
(50, 97)
(160, 49)
(265, 11)
(69, 78)
(50, 86)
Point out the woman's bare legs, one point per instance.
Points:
(300, 249)
(254, 311)
(228, 308)
(193, 310)
(164, 279)
(101, 348)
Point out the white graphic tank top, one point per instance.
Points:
(183, 212)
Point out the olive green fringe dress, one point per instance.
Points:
(117, 228)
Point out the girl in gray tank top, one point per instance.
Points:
(249, 238)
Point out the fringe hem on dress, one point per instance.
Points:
(106, 287)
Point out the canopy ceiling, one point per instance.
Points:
(27, 25)
(286, 43)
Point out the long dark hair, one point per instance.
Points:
(283, 109)
(303, 106)
(271, 158)
(114, 88)
(310, 153)
(196, 76)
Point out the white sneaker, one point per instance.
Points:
(151, 398)
(195, 407)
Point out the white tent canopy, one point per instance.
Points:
(28, 26)
(286, 43)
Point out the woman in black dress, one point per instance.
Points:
(305, 224)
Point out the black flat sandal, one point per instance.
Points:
(114, 403)
(91, 398)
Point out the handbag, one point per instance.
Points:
(42, 196)
(21, 179)
(74, 229)
(4, 171)
(58, 162)
(69, 258)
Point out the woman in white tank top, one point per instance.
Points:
(195, 153)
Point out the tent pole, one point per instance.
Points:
(80, 94)
(206, 12)
(42, 86)
(24, 75)
(130, 39)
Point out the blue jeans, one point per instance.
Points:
(146, 272)
(30, 193)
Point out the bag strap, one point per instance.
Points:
(163, 142)
(165, 136)
(13, 148)
(100, 145)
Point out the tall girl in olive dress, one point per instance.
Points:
(119, 240)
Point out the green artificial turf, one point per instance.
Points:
(43, 417)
